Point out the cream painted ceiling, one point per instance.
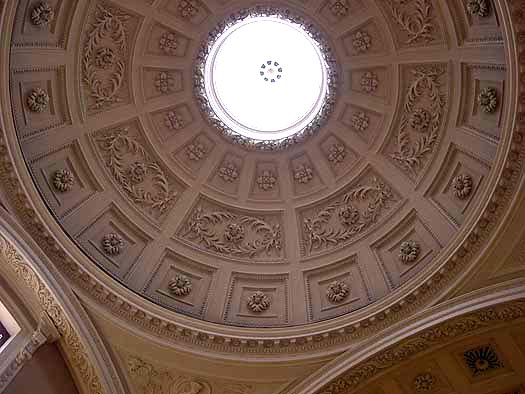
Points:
(393, 196)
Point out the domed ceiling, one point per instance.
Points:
(373, 208)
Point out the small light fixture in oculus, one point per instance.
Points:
(266, 78)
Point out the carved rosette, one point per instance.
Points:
(462, 186)
(229, 172)
(164, 82)
(188, 8)
(103, 65)
(339, 8)
(409, 251)
(169, 43)
(112, 244)
(424, 382)
(488, 100)
(347, 217)
(231, 234)
(337, 291)
(173, 121)
(420, 120)
(425, 90)
(336, 153)
(369, 82)
(131, 166)
(303, 174)
(195, 152)
(63, 180)
(42, 15)
(361, 41)
(258, 302)
(480, 8)
(266, 181)
(38, 100)
(360, 121)
(180, 285)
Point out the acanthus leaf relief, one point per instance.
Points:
(142, 179)
(415, 20)
(103, 64)
(233, 234)
(424, 98)
(350, 215)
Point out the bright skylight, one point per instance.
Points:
(265, 78)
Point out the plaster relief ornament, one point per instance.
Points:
(337, 291)
(258, 302)
(188, 8)
(420, 120)
(369, 82)
(231, 234)
(266, 181)
(478, 8)
(425, 87)
(360, 121)
(169, 43)
(173, 122)
(141, 178)
(482, 360)
(195, 152)
(336, 153)
(180, 285)
(339, 8)
(105, 58)
(112, 244)
(409, 251)
(103, 67)
(228, 172)
(424, 382)
(38, 100)
(234, 233)
(137, 172)
(414, 18)
(488, 100)
(303, 174)
(361, 41)
(63, 180)
(348, 216)
(42, 15)
(462, 186)
(164, 82)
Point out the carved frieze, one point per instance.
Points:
(346, 217)
(227, 232)
(105, 64)
(138, 175)
(422, 118)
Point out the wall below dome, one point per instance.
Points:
(45, 373)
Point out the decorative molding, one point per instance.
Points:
(69, 338)
(424, 341)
